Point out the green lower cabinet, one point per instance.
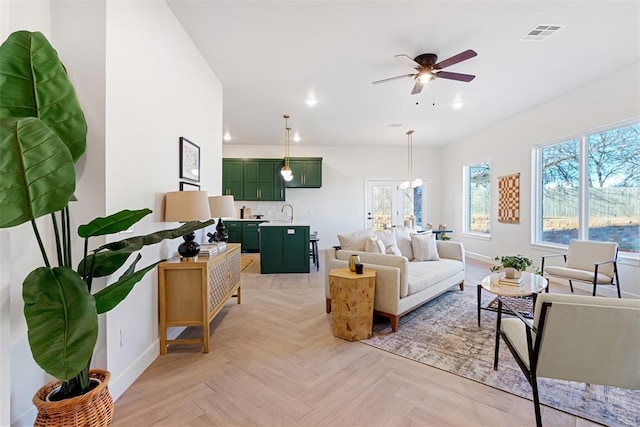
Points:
(284, 249)
(250, 236)
(234, 230)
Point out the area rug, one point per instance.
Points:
(444, 333)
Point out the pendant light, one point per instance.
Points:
(413, 183)
(286, 170)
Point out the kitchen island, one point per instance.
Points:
(284, 247)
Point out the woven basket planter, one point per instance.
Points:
(93, 409)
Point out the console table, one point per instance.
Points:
(191, 293)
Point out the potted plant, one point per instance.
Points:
(42, 135)
(513, 265)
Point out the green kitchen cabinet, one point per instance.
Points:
(234, 230)
(307, 172)
(232, 178)
(284, 249)
(245, 233)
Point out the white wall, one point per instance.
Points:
(509, 144)
(142, 85)
(338, 207)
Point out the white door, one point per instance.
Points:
(388, 204)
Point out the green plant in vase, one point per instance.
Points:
(513, 265)
(42, 135)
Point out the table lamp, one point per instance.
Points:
(221, 206)
(185, 206)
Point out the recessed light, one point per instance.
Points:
(311, 102)
(227, 137)
(458, 105)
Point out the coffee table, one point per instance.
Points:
(522, 298)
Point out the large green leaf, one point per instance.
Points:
(111, 296)
(37, 171)
(115, 223)
(110, 257)
(34, 83)
(62, 320)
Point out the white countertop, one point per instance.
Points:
(283, 223)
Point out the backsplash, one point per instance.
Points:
(268, 210)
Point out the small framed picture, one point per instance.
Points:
(187, 186)
(189, 160)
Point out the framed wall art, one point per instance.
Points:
(509, 198)
(189, 160)
(187, 186)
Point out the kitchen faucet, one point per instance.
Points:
(282, 210)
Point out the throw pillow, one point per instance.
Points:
(403, 237)
(355, 241)
(388, 237)
(374, 245)
(424, 247)
(393, 250)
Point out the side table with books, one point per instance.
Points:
(520, 292)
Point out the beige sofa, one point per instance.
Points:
(403, 285)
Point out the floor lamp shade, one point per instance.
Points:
(221, 207)
(184, 206)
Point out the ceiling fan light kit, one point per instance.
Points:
(428, 68)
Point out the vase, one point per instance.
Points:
(512, 273)
(353, 260)
(94, 408)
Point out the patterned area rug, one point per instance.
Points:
(444, 333)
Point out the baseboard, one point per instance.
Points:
(118, 385)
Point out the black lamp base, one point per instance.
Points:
(221, 231)
(189, 248)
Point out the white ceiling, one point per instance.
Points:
(271, 55)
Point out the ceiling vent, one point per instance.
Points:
(541, 32)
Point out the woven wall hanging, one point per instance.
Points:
(509, 198)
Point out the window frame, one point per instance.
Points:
(466, 191)
(583, 189)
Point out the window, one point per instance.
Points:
(589, 188)
(478, 198)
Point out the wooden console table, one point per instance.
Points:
(192, 293)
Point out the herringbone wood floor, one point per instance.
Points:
(275, 362)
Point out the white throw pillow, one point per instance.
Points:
(424, 247)
(355, 241)
(393, 250)
(388, 237)
(403, 237)
(374, 245)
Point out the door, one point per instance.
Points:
(388, 204)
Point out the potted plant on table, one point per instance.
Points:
(513, 265)
(42, 135)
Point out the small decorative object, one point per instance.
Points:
(189, 160)
(359, 268)
(513, 265)
(353, 260)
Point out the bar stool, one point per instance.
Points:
(313, 240)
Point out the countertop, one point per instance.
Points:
(284, 223)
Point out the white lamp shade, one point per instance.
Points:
(222, 207)
(183, 206)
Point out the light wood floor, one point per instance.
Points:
(275, 362)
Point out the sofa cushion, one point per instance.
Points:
(424, 247)
(393, 250)
(355, 241)
(403, 237)
(388, 237)
(425, 274)
(375, 245)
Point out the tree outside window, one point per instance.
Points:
(603, 203)
(478, 186)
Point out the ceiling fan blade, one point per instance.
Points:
(417, 88)
(462, 56)
(455, 76)
(394, 78)
(408, 60)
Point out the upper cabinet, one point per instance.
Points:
(307, 172)
(253, 179)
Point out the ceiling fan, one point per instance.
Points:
(427, 68)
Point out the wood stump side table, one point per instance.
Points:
(352, 297)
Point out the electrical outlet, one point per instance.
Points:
(123, 337)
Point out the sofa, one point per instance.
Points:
(411, 268)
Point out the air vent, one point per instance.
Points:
(541, 32)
